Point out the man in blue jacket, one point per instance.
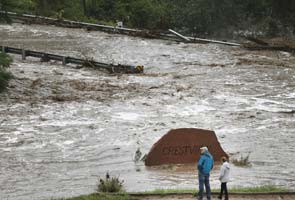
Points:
(205, 165)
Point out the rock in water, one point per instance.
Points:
(180, 146)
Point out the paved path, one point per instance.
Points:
(232, 197)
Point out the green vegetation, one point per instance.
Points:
(169, 191)
(195, 17)
(5, 76)
(125, 196)
(101, 197)
(242, 161)
(108, 188)
(110, 184)
(266, 188)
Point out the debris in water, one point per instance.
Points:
(137, 155)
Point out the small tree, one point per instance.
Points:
(5, 76)
(110, 184)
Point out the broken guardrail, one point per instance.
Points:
(45, 57)
(194, 39)
(28, 18)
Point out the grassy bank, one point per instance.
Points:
(101, 197)
(127, 196)
(260, 189)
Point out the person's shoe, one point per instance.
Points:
(219, 197)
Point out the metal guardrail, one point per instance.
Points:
(45, 57)
(68, 22)
(111, 29)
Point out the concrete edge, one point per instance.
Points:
(213, 193)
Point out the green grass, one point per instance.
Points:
(101, 197)
(168, 191)
(126, 196)
(267, 188)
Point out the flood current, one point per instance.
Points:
(63, 127)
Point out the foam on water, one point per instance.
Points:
(59, 149)
(272, 106)
(127, 116)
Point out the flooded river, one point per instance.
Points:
(62, 127)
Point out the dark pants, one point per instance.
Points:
(223, 189)
(204, 180)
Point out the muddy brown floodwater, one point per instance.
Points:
(62, 127)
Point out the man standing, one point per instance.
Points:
(205, 165)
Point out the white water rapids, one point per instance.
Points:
(62, 127)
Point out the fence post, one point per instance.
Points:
(3, 49)
(24, 54)
(64, 60)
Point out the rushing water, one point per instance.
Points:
(51, 148)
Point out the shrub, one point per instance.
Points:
(5, 76)
(110, 184)
(5, 60)
(242, 162)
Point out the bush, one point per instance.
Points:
(5, 76)
(110, 184)
(5, 60)
(242, 162)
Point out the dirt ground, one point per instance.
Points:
(232, 197)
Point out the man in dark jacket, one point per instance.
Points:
(205, 165)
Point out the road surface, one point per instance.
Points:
(272, 196)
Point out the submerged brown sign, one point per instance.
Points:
(180, 146)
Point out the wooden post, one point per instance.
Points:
(23, 54)
(64, 60)
(45, 58)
